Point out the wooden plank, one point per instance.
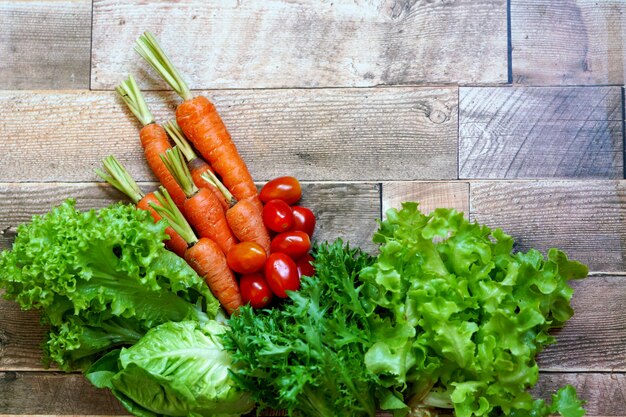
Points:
(568, 42)
(316, 135)
(541, 133)
(605, 393)
(45, 393)
(54, 393)
(430, 195)
(344, 43)
(594, 339)
(583, 218)
(45, 44)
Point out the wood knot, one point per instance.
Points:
(437, 116)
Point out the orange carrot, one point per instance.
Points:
(246, 222)
(118, 177)
(203, 255)
(153, 137)
(201, 123)
(208, 260)
(202, 208)
(197, 166)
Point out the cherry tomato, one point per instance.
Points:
(305, 266)
(246, 257)
(283, 188)
(254, 290)
(281, 274)
(303, 219)
(277, 216)
(295, 244)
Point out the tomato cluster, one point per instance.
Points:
(292, 227)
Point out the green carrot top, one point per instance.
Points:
(148, 47)
(115, 174)
(176, 165)
(131, 94)
(168, 210)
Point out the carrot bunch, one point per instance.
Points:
(216, 219)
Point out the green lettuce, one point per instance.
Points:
(176, 369)
(101, 279)
(459, 318)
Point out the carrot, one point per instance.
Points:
(153, 137)
(246, 222)
(201, 123)
(197, 166)
(118, 177)
(203, 255)
(202, 208)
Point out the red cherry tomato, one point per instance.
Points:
(281, 274)
(303, 219)
(286, 189)
(246, 257)
(305, 266)
(255, 290)
(277, 216)
(295, 244)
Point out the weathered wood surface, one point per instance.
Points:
(59, 394)
(45, 44)
(541, 132)
(568, 42)
(343, 43)
(346, 210)
(430, 195)
(322, 134)
(592, 341)
(583, 218)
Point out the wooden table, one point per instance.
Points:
(510, 111)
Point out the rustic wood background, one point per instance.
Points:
(512, 111)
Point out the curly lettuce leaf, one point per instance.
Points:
(86, 270)
(474, 314)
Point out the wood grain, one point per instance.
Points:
(340, 43)
(594, 339)
(328, 134)
(54, 393)
(430, 195)
(45, 44)
(605, 393)
(72, 394)
(541, 133)
(568, 42)
(583, 218)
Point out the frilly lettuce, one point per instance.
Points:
(101, 278)
(459, 318)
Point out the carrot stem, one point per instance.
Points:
(131, 94)
(176, 165)
(170, 212)
(118, 177)
(212, 179)
(180, 140)
(148, 47)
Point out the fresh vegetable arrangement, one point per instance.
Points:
(203, 297)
